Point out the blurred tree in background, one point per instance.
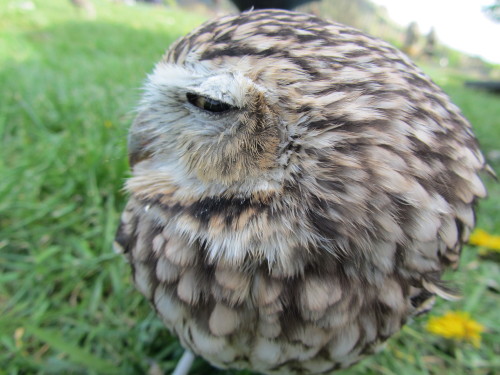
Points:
(493, 10)
(412, 37)
(430, 43)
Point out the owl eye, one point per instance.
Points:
(208, 104)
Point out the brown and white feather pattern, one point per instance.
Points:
(296, 232)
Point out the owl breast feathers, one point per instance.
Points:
(297, 190)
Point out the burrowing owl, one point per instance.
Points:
(297, 190)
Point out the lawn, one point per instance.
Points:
(68, 85)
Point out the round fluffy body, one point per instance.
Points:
(296, 230)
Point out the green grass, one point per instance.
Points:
(68, 85)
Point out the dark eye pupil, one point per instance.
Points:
(207, 104)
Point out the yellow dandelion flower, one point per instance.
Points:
(108, 124)
(482, 238)
(456, 325)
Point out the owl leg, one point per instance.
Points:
(184, 364)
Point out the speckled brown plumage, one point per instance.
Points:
(296, 221)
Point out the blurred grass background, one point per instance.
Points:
(68, 85)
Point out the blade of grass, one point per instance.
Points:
(75, 353)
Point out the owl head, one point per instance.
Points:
(212, 125)
(253, 103)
